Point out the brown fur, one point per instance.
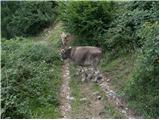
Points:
(83, 56)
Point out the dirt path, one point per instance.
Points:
(89, 101)
(65, 92)
(87, 105)
(95, 106)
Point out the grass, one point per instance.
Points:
(118, 70)
(47, 111)
(52, 37)
(50, 112)
(33, 68)
(75, 92)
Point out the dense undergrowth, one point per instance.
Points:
(30, 66)
(26, 18)
(143, 87)
(30, 79)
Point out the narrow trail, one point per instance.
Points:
(95, 108)
(65, 92)
(92, 106)
(89, 106)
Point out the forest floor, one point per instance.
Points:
(87, 99)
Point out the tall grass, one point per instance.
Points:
(30, 79)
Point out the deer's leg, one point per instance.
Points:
(79, 70)
(84, 74)
(96, 72)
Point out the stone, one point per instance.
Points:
(123, 111)
(119, 104)
(108, 80)
(83, 79)
(83, 99)
(97, 72)
(98, 79)
(70, 98)
(106, 89)
(67, 72)
(102, 113)
(89, 77)
(99, 97)
(77, 73)
(111, 93)
(96, 93)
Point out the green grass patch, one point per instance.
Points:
(118, 70)
(111, 110)
(30, 79)
(75, 91)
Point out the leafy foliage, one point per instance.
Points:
(26, 18)
(86, 19)
(143, 89)
(30, 78)
(122, 37)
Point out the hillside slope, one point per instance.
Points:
(30, 76)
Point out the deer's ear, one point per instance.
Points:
(69, 49)
(67, 37)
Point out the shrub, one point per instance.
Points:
(122, 36)
(26, 18)
(30, 79)
(87, 19)
(143, 89)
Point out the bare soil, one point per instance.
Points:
(90, 106)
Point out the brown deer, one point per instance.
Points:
(83, 56)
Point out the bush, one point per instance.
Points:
(26, 18)
(143, 89)
(122, 36)
(30, 79)
(87, 19)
